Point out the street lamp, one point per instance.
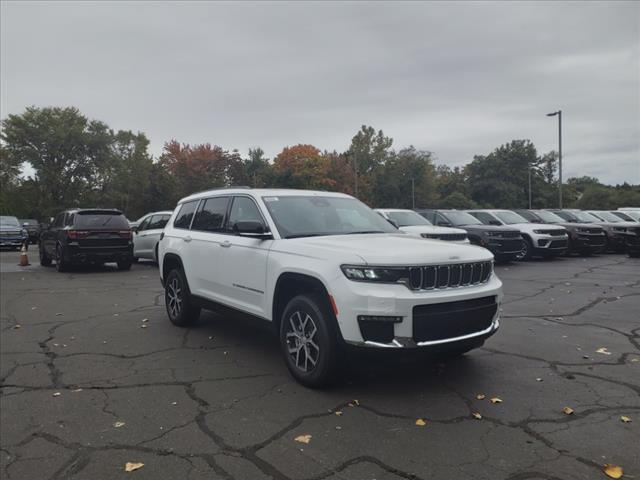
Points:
(559, 114)
(530, 187)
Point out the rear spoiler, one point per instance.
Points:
(99, 211)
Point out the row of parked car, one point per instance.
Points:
(524, 234)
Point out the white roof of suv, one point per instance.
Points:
(262, 192)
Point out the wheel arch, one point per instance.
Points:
(169, 262)
(292, 284)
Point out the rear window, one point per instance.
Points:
(109, 221)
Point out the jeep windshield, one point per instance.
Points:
(312, 216)
(511, 218)
(549, 217)
(460, 219)
(9, 221)
(408, 218)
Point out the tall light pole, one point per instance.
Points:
(559, 114)
(413, 194)
(529, 187)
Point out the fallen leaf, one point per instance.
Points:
(116, 314)
(56, 394)
(58, 314)
(477, 416)
(76, 390)
(603, 350)
(143, 326)
(538, 379)
(303, 438)
(338, 412)
(480, 396)
(613, 471)
(119, 424)
(174, 403)
(567, 410)
(420, 422)
(33, 308)
(338, 427)
(17, 326)
(496, 400)
(624, 419)
(356, 402)
(145, 320)
(130, 466)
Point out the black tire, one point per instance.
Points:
(135, 259)
(307, 329)
(45, 260)
(61, 263)
(633, 254)
(125, 264)
(177, 299)
(527, 249)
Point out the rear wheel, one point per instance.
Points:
(308, 341)
(61, 263)
(177, 299)
(45, 260)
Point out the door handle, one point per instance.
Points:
(225, 244)
(187, 238)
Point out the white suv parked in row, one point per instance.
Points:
(540, 239)
(415, 224)
(327, 271)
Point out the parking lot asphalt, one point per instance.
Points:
(94, 376)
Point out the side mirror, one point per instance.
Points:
(252, 229)
(393, 222)
(443, 224)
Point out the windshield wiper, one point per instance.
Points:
(362, 232)
(107, 221)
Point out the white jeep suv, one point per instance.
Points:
(327, 271)
(415, 224)
(540, 239)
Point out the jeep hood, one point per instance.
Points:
(387, 249)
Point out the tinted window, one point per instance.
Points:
(183, 219)
(244, 210)
(484, 217)
(210, 217)
(158, 222)
(144, 224)
(68, 222)
(57, 222)
(408, 218)
(460, 218)
(99, 220)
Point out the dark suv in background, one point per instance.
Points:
(87, 236)
(32, 227)
(614, 240)
(584, 238)
(506, 244)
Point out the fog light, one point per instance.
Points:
(379, 318)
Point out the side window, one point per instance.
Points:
(440, 219)
(183, 219)
(68, 222)
(144, 224)
(57, 222)
(158, 222)
(210, 217)
(243, 210)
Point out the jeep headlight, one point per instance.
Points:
(539, 232)
(375, 274)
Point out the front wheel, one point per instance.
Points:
(634, 254)
(308, 341)
(45, 260)
(527, 250)
(177, 299)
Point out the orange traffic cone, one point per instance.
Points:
(24, 259)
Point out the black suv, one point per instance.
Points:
(87, 236)
(506, 244)
(32, 227)
(584, 238)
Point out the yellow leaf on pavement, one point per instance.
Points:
(477, 416)
(603, 350)
(625, 419)
(131, 466)
(338, 412)
(480, 396)
(613, 471)
(496, 400)
(119, 424)
(303, 438)
(420, 422)
(567, 410)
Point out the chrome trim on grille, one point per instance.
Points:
(439, 277)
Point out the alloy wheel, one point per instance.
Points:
(302, 344)
(174, 297)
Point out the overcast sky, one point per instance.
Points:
(458, 79)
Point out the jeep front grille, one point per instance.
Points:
(433, 277)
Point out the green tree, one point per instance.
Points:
(65, 149)
(369, 150)
(457, 200)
